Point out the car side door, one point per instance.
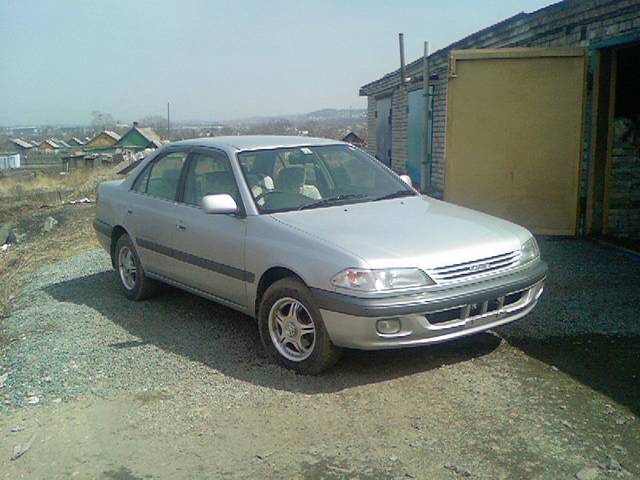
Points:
(211, 246)
(151, 215)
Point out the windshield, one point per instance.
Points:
(298, 178)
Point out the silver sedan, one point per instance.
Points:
(323, 245)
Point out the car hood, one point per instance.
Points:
(409, 232)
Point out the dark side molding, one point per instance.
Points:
(102, 227)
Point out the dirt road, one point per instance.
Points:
(177, 387)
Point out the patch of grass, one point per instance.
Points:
(24, 184)
(73, 235)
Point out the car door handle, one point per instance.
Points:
(181, 227)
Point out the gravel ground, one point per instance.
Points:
(177, 387)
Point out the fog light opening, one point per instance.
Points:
(388, 326)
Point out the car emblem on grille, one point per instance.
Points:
(478, 268)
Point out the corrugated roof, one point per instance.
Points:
(150, 135)
(111, 133)
(21, 143)
(61, 143)
(51, 143)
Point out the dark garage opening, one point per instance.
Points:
(616, 154)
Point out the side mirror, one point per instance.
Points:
(406, 179)
(219, 204)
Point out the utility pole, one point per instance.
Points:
(168, 123)
(425, 177)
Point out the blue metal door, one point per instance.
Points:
(383, 130)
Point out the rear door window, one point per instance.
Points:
(164, 176)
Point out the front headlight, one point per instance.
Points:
(529, 251)
(381, 280)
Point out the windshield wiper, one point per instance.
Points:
(325, 202)
(398, 194)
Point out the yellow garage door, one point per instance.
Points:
(514, 135)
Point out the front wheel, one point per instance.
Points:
(292, 330)
(135, 284)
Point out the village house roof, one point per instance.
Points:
(21, 143)
(61, 143)
(150, 139)
(51, 143)
(352, 137)
(151, 135)
(111, 134)
(76, 141)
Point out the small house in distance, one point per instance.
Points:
(15, 145)
(20, 145)
(354, 140)
(104, 140)
(12, 152)
(138, 138)
(49, 145)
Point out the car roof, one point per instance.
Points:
(256, 142)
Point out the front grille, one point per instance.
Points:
(463, 271)
(472, 310)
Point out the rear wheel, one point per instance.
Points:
(292, 330)
(135, 284)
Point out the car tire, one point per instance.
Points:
(134, 283)
(286, 311)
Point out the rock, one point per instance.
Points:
(463, 472)
(20, 450)
(567, 424)
(49, 224)
(588, 473)
(3, 379)
(17, 429)
(33, 400)
(15, 238)
(5, 231)
(613, 465)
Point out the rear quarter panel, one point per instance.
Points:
(111, 205)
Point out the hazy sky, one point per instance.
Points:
(61, 59)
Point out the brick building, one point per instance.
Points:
(552, 95)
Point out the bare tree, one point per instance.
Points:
(102, 121)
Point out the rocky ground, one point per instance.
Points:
(94, 386)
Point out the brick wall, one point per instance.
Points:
(572, 23)
(399, 127)
(624, 207)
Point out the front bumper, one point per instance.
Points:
(435, 316)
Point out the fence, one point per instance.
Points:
(34, 159)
